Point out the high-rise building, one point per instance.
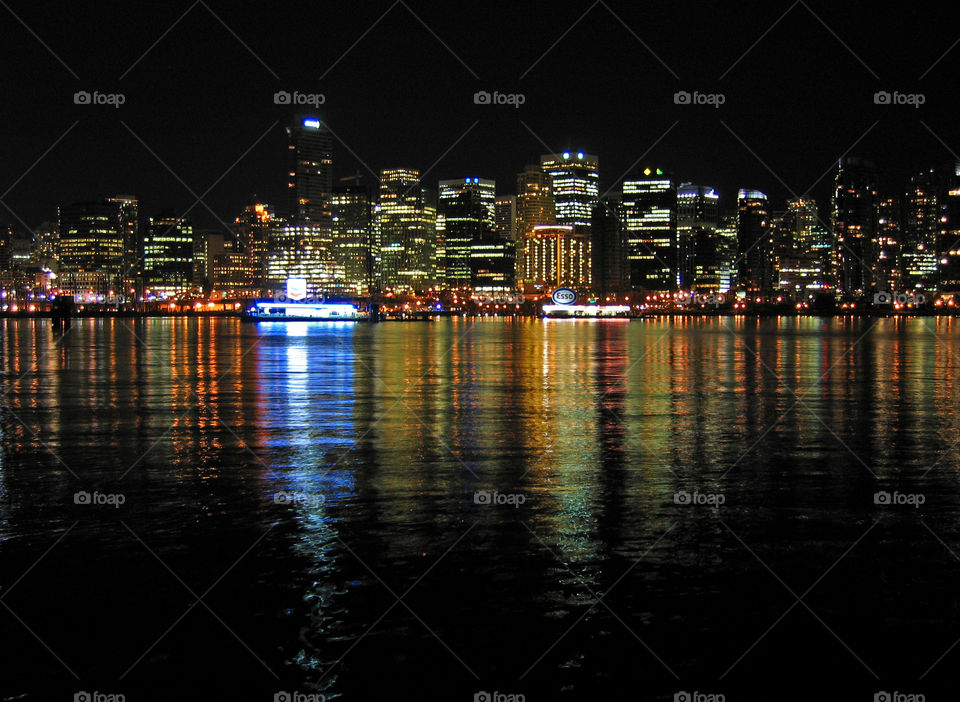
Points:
(505, 217)
(252, 230)
(90, 247)
(754, 240)
(555, 256)
(309, 169)
(355, 250)
(130, 226)
(535, 203)
(729, 248)
(854, 222)
(302, 250)
(6, 248)
(467, 208)
(406, 219)
(890, 261)
(609, 269)
(699, 247)
(575, 184)
(801, 248)
(168, 254)
(948, 248)
(650, 217)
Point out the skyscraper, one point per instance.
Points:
(355, 252)
(650, 217)
(699, 247)
(854, 222)
(309, 169)
(535, 203)
(302, 250)
(406, 219)
(252, 229)
(609, 269)
(467, 206)
(130, 226)
(90, 247)
(754, 241)
(505, 217)
(575, 184)
(168, 256)
(801, 248)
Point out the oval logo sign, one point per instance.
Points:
(564, 296)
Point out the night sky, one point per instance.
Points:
(200, 99)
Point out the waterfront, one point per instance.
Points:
(378, 439)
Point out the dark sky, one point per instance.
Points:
(199, 99)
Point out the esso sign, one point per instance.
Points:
(564, 296)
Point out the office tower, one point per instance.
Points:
(610, 272)
(168, 252)
(355, 251)
(754, 242)
(650, 217)
(302, 250)
(699, 247)
(130, 226)
(505, 217)
(728, 251)
(467, 208)
(90, 248)
(575, 184)
(229, 269)
(890, 261)
(406, 219)
(948, 248)
(45, 237)
(6, 248)
(535, 203)
(801, 251)
(921, 227)
(557, 255)
(854, 222)
(251, 231)
(309, 169)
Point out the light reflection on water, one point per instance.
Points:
(383, 433)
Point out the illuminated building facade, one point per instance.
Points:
(505, 217)
(650, 218)
(535, 203)
(467, 209)
(557, 256)
(754, 241)
(801, 248)
(406, 221)
(854, 222)
(309, 169)
(168, 254)
(252, 236)
(129, 209)
(609, 270)
(355, 248)
(575, 184)
(890, 253)
(302, 250)
(699, 246)
(90, 247)
(948, 247)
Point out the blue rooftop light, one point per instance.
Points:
(312, 123)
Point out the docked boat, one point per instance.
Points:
(266, 311)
